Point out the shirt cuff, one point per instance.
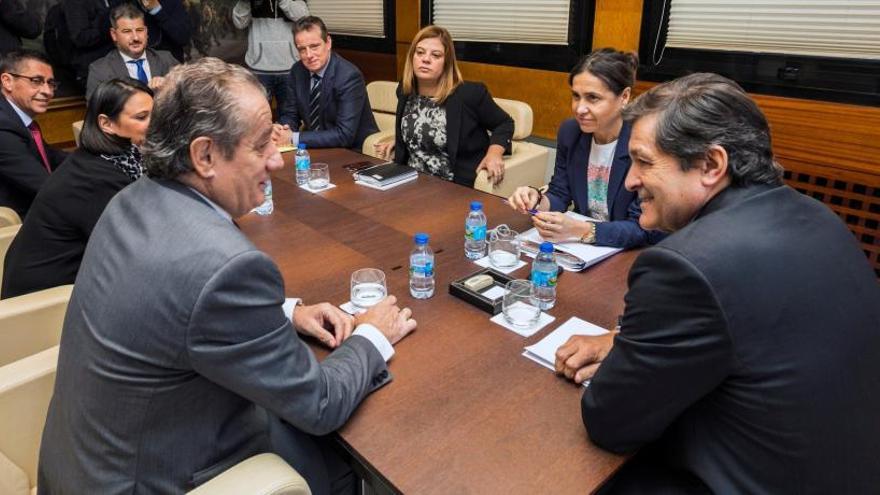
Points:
(289, 306)
(294, 139)
(375, 337)
(155, 10)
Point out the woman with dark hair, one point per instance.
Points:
(443, 122)
(49, 247)
(592, 160)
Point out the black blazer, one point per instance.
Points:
(748, 351)
(17, 22)
(471, 114)
(345, 108)
(48, 249)
(21, 168)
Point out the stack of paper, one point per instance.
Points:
(589, 253)
(544, 352)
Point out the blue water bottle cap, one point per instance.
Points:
(421, 238)
(476, 206)
(301, 146)
(546, 247)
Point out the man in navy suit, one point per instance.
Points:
(28, 85)
(330, 108)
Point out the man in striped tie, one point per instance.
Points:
(28, 85)
(330, 108)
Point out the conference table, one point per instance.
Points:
(465, 412)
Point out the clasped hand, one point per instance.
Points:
(580, 357)
(332, 326)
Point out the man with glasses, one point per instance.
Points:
(28, 85)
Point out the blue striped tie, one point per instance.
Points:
(315, 104)
(141, 73)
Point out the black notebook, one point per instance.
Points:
(385, 174)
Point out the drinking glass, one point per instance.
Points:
(367, 287)
(319, 176)
(519, 306)
(503, 247)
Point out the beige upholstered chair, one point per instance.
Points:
(77, 129)
(32, 323)
(8, 217)
(7, 234)
(25, 391)
(526, 166)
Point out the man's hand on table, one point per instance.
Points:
(580, 357)
(318, 320)
(393, 322)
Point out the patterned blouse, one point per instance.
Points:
(423, 127)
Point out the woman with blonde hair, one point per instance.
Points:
(443, 122)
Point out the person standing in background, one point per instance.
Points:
(16, 22)
(271, 52)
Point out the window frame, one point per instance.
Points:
(797, 76)
(581, 18)
(387, 44)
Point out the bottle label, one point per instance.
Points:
(426, 270)
(475, 232)
(544, 279)
(302, 163)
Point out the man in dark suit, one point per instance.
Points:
(131, 59)
(175, 343)
(330, 105)
(746, 359)
(17, 22)
(28, 85)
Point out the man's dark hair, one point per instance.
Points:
(616, 69)
(125, 11)
(108, 99)
(697, 111)
(11, 62)
(308, 22)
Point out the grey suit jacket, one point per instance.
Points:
(173, 339)
(112, 66)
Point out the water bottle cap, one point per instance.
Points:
(421, 238)
(476, 205)
(546, 247)
(301, 146)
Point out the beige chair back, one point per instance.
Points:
(8, 217)
(521, 113)
(383, 101)
(77, 129)
(32, 323)
(7, 234)
(25, 391)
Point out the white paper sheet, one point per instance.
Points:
(544, 351)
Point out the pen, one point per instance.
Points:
(533, 211)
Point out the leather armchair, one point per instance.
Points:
(7, 234)
(8, 217)
(526, 165)
(32, 323)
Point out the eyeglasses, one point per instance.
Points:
(39, 81)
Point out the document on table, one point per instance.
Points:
(589, 253)
(544, 352)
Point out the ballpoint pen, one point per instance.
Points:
(533, 211)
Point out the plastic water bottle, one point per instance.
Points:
(475, 232)
(544, 273)
(303, 162)
(421, 268)
(268, 206)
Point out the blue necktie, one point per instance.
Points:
(142, 74)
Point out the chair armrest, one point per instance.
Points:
(526, 166)
(376, 138)
(32, 322)
(263, 474)
(8, 217)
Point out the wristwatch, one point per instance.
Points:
(590, 236)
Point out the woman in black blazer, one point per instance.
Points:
(48, 249)
(443, 122)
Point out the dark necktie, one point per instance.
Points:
(38, 139)
(141, 73)
(315, 104)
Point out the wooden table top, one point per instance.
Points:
(466, 412)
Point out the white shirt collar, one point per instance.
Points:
(127, 59)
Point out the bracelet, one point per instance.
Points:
(590, 236)
(540, 197)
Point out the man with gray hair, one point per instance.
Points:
(745, 361)
(175, 345)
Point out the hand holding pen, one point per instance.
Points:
(527, 200)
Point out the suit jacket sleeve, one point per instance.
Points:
(18, 164)
(239, 338)
(174, 22)
(289, 114)
(625, 233)
(18, 20)
(672, 350)
(401, 153)
(350, 95)
(86, 31)
(558, 191)
(494, 119)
